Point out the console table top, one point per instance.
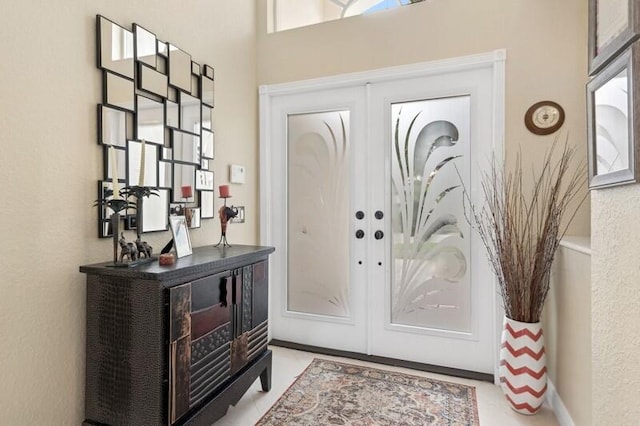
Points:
(208, 258)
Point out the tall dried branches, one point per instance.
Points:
(521, 231)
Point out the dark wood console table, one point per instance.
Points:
(176, 345)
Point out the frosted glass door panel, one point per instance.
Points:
(318, 225)
(430, 243)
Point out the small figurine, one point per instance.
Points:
(127, 249)
(143, 248)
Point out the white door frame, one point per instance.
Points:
(496, 59)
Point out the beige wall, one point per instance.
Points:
(567, 328)
(546, 55)
(616, 305)
(49, 88)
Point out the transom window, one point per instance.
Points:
(289, 14)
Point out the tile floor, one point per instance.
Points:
(288, 364)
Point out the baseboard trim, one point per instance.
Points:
(558, 407)
(465, 374)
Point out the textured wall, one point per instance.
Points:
(567, 332)
(49, 88)
(615, 301)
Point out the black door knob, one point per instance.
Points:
(359, 234)
(359, 214)
(378, 235)
(379, 214)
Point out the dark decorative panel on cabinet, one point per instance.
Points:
(176, 345)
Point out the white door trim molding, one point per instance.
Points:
(495, 59)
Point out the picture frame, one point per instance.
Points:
(613, 122)
(613, 26)
(181, 238)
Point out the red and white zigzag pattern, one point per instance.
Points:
(523, 371)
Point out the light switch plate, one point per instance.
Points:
(236, 173)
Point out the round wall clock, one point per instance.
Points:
(544, 118)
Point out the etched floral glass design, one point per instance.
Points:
(430, 242)
(318, 214)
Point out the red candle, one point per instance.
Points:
(224, 191)
(187, 191)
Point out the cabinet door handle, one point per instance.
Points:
(378, 235)
(359, 234)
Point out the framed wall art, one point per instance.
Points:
(613, 25)
(613, 108)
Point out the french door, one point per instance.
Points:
(362, 182)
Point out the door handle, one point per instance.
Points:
(359, 214)
(378, 235)
(379, 214)
(359, 234)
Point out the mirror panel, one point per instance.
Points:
(204, 180)
(112, 125)
(136, 163)
(190, 110)
(165, 173)
(146, 46)
(183, 176)
(207, 117)
(179, 68)
(207, 91)
(207, 199)
(119, 92)
(152, 81)
(208, 144)
(163, 49)
(115, 48)
(208, 71)
(155, 212)
(186, 147)
(150, 120)
(120, 166)
(173, 114)
(193, 218)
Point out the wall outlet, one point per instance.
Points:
(240, 217)
(236, 173)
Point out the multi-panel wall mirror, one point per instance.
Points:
(156, 125)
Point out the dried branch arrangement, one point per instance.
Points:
(521, 232)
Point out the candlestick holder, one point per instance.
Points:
(116, 205)
(226, 213)
(141, 247)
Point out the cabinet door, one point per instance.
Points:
(200, 331)
(179, 350)
(258, 303)
(211, 334)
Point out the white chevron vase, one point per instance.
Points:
(523, 367)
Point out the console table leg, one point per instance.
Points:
(265, 378)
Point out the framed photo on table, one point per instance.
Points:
(613, 121)
(613, 25)
(181, 239)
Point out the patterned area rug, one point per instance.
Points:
(333, 393)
